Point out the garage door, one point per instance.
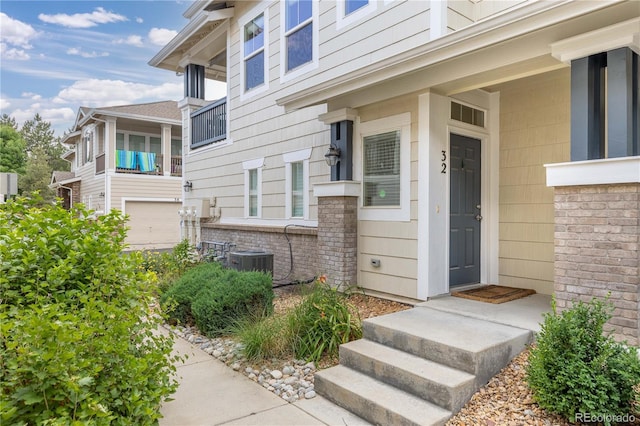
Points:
(153, 225)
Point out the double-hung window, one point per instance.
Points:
(381, 169)
(297, 184)
(254, 53)
(253, 187)
(351, 6)
(299, 34)
(351, 11)
(384, 168)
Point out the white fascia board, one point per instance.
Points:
(113, 114)
(512, 24)
(624, 34)
(594, 172)
(197, 22)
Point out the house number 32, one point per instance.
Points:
(444, 162)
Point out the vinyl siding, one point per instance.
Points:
(395, 244)
(534, 130)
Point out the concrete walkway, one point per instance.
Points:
(211, 393)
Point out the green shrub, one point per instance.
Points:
(322, 322)
(176, 301)
(169, 266)
(576, 368)
(214, 298)
(77, 342)
(235, 295)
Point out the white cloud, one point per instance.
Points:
(79, 52)
(13, 53)
(132, 40)
(60, 118)
(139, 20)
(32, 96)
(83, 20)
(4, 104)
(16, 34)
(96, 93)
(161, 36)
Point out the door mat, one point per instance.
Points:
(494, 293)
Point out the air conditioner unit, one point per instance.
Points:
(251, 260)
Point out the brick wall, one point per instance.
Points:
(597, 251)
(272, 239)
(338, 239)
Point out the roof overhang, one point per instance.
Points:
(201, 40)
(511, 45)
(95, 113)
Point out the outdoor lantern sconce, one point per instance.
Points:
(332, 156)
(187, 186)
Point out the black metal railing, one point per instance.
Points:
(209, 124)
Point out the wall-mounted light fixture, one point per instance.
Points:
(188, 185)
(332, 156)
(101, 194)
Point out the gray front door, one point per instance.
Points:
(464, 235)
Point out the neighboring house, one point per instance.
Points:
(491, 142)
(128, 158)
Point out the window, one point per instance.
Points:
(176, 147)
(351, 6)
(297, 183)
(88, 146)
(299, 33)
(383, 165)
(155, 145)
(252, 187)
(253, 193)
(467, 114)
(381, 169)
(297, 186)
(137, 143)
(254, 53)
(120, 141)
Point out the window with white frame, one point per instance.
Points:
(137, 142)
(253, 188)
(299, 43)
(381, 169)
(385, 150)
(254, 54)
(88, 146)
(297, 184)
(350, 11)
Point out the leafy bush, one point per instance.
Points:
(77, 342)
(576, 368)
(169, 266)
(322, 322)
(215, 298)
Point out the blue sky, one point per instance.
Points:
(59, 55)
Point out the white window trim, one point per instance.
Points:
(296, 157)
(254, 13)
(343, 20)
(256, 164)
(303, 69)
(401, 122)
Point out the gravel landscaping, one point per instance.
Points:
(505, 400)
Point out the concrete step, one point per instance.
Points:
(444, 386)
(475, 346)
(375, 401)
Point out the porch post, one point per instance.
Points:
(338, 231)
(165, 142)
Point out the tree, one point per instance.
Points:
(37, 175)
(38, 133)
(7, 120)
(13, 156)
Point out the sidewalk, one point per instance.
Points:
(210, 393)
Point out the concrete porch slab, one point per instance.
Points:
(526, 313)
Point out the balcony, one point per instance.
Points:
(145, 163)
(209, 124)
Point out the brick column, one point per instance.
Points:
(338, 231)
(597, 250)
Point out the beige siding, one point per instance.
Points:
(140, 186)
(152, 225)
(534, 130)
(462, 13)
(395, 244)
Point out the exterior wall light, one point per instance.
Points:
(188, 185)
(332, 156)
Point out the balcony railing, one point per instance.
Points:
(137, 168)
(209, 124)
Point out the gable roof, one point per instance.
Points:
(163, 109)
(59, 177)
